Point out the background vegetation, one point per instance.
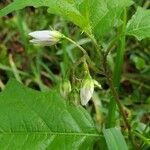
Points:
(42, 68)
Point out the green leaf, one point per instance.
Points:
(33, 120)
(115, 139)
(64, 8)
(95, 17)
(139, 24)
(105, 14)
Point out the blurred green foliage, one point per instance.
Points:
(44, 67)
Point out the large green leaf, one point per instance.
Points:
(93, 16)
(32, 120)
(104, 14)
(115, 139)
(139, 25)
(65, 8)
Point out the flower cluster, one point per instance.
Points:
(48, 38)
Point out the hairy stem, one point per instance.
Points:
(91, 64)
(117, 71)
(114, 83)
(117, 100)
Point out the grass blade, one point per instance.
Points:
(115, 139)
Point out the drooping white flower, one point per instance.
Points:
(45, 37)
(86, 90)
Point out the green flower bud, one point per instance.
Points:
(74, 97)
(65, 88)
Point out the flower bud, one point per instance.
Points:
(74, 97)
(45, 37)
(86, 90)
(65, 88)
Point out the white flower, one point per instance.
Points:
(45, 37)
(86, 90)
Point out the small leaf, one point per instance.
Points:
(115, 139)
(33, 120)
(139, 24)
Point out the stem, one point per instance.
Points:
(116, 96)
(9, 69)
(143, 138)
(117, 101)
(14, 69)
(114, 92)
(134, 81)
(22, 27)
(117, 72)
(115, 83)
(111, 45)
(92, 65)
(97, 46)
(80, 47)
(81, 60)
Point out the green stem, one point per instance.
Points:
(92, 65)
(143, 138)
(14, 69)
(117, 101)
(80, 47)
(22, 28)
(9, 69)
(117, 72)
(134, 81)
(96, 45)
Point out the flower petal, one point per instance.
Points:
(45, 34)
(45, 37)
(42, 43)
(86, 93)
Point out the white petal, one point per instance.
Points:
(45, 34)
(42, 43)
(86, 94)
